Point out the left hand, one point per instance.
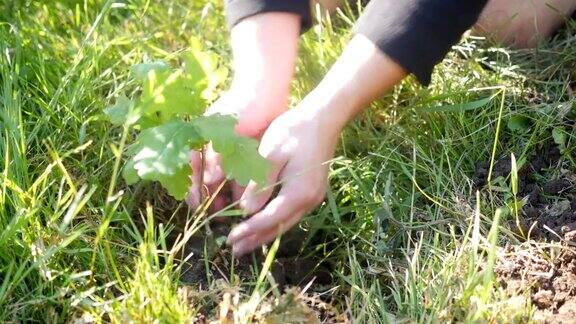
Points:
(299, 144)
(264, 48)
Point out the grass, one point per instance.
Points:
(406, 232)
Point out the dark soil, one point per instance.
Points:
(549, 195)
(547, 273)
(294, 266)
(290, 268)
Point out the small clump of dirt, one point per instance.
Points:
(547, 272)
(297, 307)
(550, 203)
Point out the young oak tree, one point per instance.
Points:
(169, 115)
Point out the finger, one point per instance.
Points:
(214, 179)
(288, 203)
(213, 173)
(237, 191)
(194, 195)
(220, 196)
(256, 195)
(248, 244)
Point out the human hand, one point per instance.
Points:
(254, 115)
(299, 144)
(264, 48)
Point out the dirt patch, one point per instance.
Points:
(290, 271)
(549, 202)
(290, 268)
(297, 307)
(208, 271)
(547, 273)
(210, 264)
(293, 306)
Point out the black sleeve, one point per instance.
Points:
(417, 34)
(237, 10)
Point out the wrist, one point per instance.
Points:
(360, 75)
(330, 110)
(264, 49)
(270, 91)
(255, 109)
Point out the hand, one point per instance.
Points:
(254, 115)
(264, 47)
(300, 144)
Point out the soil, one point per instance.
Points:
(293, 268)
(547, 273)
(290, 268)
(293, 306)
(549, 195)
(545, 265)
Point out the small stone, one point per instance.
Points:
(543, 298)
(570, 236)
(558, 208)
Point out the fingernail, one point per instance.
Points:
(244, 205)
(236, 233)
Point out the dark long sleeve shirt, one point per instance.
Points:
(416, 34)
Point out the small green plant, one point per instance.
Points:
(169, 115)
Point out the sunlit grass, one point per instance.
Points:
(403, 227)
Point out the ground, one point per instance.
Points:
(454, 202)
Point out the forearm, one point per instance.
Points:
(361, 75)
(264, 50)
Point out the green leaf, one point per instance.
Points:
(559, 137)
(244, 163)
(130, 174)
(193, 67)
(162, 154)
(204, 65)
(120, 111)
(170, 94)
(140, 71)
(219, 129)
(240, 158)
(459, 107)
(161, 151)
(518, 123)
(177, 184)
